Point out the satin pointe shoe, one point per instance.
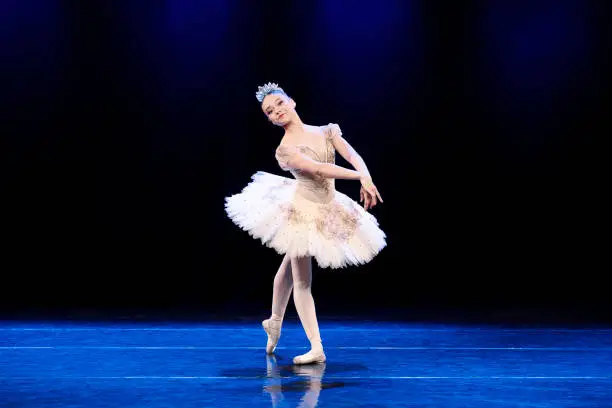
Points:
(312, 357)
(273, 330)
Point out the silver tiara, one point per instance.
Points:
(267, 89)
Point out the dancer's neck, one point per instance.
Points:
(295, 126)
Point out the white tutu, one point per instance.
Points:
(337, 233)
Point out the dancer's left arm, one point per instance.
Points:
(369, 193)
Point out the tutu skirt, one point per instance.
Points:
(336, 234)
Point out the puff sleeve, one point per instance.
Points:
(283, 155)
(333, 131)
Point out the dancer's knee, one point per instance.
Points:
(301, 284)
(283, 276)
(282, 279)
(302, 273)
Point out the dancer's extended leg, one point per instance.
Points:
(304, 304)
(283, 283)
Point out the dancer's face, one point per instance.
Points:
(279, 108)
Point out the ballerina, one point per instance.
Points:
(304, 217)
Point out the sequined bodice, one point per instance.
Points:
(317, 187)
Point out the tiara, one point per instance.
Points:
(267, 89)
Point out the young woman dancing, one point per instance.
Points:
(304, 217)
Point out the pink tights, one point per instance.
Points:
(296, 274)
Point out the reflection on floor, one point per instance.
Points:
(369, 365)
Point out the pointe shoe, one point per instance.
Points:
(312, 357)
(273, 330)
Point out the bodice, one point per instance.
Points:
(314, 187)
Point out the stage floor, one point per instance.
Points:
(369, 365)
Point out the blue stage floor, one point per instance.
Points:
(369, 365)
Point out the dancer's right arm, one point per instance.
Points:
(291, 158)
(329, 170)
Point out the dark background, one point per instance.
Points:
(126, 123)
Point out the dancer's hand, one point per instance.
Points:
(369, 193)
